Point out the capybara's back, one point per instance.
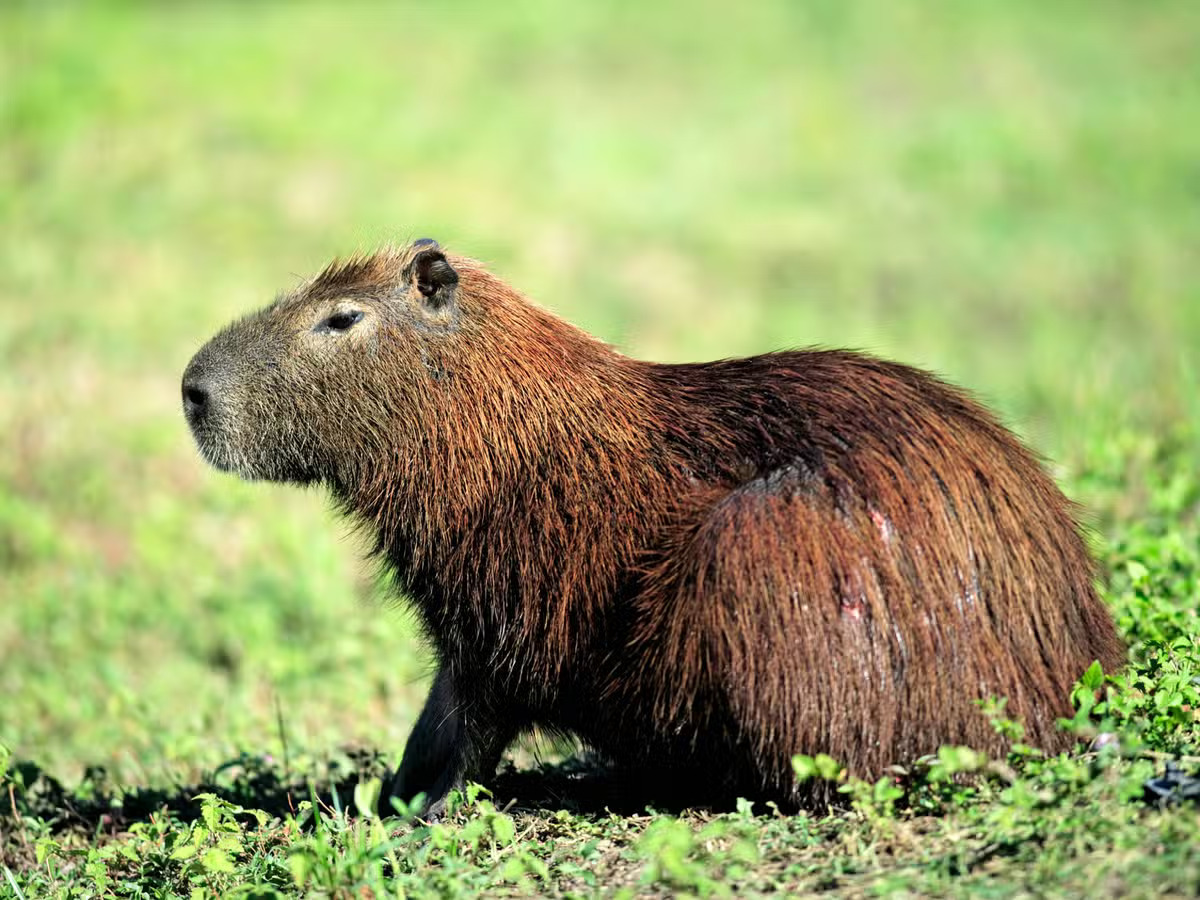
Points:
(701, 570)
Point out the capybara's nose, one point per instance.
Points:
(195, 398)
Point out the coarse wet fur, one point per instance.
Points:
(699, 570)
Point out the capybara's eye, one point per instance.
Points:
(341, 321)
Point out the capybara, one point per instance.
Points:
(698, 570)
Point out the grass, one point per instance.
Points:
(1004, 192)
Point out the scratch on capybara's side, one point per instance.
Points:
(700, 570)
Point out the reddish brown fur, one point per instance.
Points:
(701, 570)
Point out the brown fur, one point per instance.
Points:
(700, 570)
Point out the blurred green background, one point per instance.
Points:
(1006, 192)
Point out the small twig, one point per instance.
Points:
(1090, 734)
(12, 802)
(287, 766)
(1156, 755)
(1001, 770)
(1168, 757)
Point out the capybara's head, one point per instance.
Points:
(329, 374)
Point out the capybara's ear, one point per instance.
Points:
(434, 277)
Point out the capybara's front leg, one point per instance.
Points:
(451, 744)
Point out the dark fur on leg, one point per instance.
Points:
(450, 745)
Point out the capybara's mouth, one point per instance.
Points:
(198, 409)
(219, 450)
(216, 451)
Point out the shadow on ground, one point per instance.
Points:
(98, 805)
